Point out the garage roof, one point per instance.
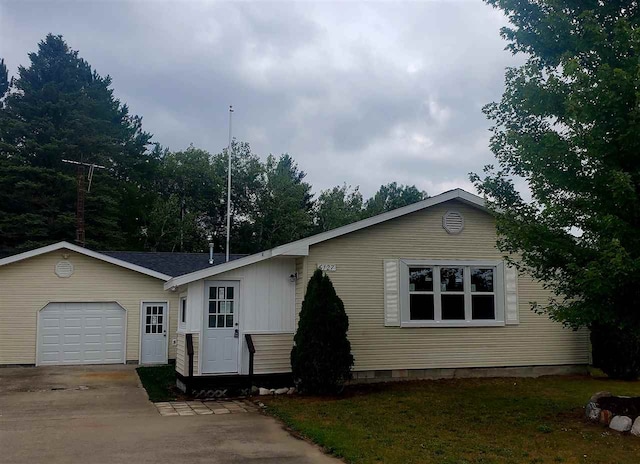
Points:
(170, 263)
(155, 264)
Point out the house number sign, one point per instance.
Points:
(327, 267)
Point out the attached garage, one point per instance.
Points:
(67, 305)
(81, 333)
(63, 304)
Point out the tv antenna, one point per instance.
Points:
(80, 236)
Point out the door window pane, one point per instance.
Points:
(483, 307)
(421, 307)
(229, 320)
(212, 293)
(221, 293)
(212, 321)
(212, 307)
(452, 279)
(420, 279)
(482, 279)
(229, 293)
(220, 321)
(452, 307)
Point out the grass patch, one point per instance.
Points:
(463, 421)
(159, 381)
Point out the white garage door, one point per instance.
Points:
(81, 333)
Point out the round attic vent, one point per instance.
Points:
(453, 222)
(64, 269)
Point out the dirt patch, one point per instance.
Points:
(621, 406)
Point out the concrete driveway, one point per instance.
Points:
(100, 414)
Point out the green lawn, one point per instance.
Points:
(463, 421)
(159, 381)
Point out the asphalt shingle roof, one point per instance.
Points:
(169, 263)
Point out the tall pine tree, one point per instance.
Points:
(60, 108)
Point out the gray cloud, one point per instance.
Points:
(363, 93)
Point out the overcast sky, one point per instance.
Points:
(362, 93)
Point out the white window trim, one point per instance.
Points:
(182, 326)
(499, 292)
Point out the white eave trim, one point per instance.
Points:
(86, 252)
(301, 247)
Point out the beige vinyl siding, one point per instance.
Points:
(27, 286)
(182, 358)
(359, 282)
(273, 353)
(181, 355)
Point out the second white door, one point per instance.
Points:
(220, 333)
(153, 348)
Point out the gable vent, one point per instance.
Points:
(453, 222)
(64, 269)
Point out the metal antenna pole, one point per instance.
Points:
(80, 233)
(80, 224)
(229, 150)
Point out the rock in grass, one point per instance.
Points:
(635, 430)
(281, 391)
(264, 391)
(605, 417)
(621, 424)
(592, 411)
(291, 391)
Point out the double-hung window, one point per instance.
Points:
(451, 293)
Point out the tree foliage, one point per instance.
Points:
(340, 205)
(321, 358)
(337, 207)
(568, 123)
(283, 208)
(392, 196)
(59, 108)
(4, 78)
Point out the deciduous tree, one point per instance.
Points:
(569, 124)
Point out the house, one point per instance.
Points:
(426, 291)
(64, 304)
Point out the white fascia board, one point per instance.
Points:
(86, 252)
(301, 247)
(300, 251)
(219, 269)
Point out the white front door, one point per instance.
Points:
(220, 333)
(153, 347)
